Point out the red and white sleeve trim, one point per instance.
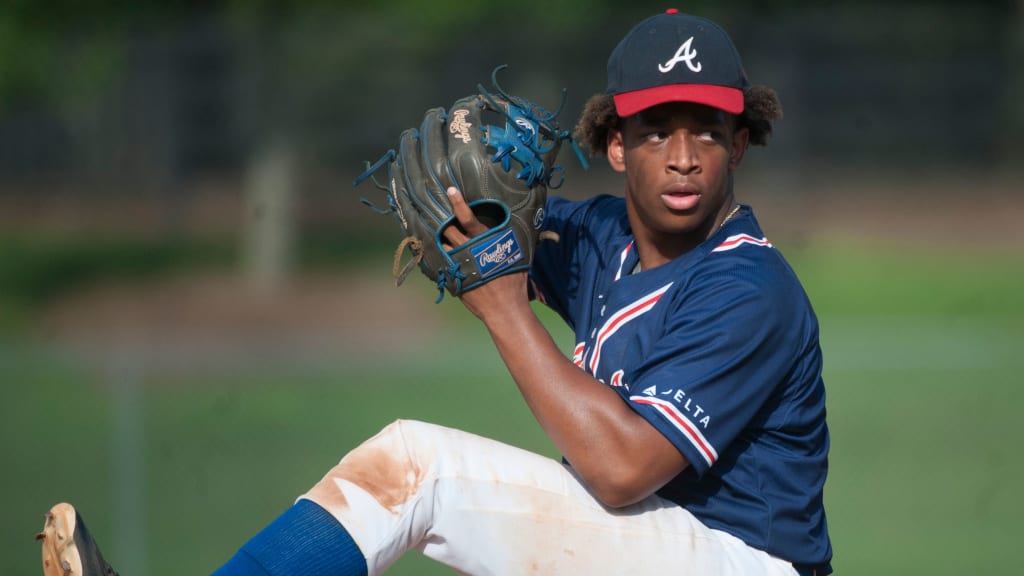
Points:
(682, 423)
(738, 240)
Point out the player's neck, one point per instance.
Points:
(656, 248)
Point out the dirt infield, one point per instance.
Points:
(208, 318)
(975, 208)
(217, 321)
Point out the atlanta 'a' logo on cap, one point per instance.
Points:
(686, 54)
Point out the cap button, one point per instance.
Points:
(672, 11)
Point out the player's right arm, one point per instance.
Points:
(619, 455)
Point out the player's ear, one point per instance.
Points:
(616, 150)
(740, 143)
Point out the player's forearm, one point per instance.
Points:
(620, 456)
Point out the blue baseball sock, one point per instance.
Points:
(305, 539)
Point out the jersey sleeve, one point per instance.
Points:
(727, 346)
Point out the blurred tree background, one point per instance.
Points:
(190, 288)
(163, 106)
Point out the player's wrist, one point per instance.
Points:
(499, 301)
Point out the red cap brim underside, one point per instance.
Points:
(721, 97)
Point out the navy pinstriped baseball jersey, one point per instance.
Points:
(718, 349)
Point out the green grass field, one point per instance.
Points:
(923, 364)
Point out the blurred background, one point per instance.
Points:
(198, 318)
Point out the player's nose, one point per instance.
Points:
(681, 154)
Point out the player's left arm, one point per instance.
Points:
(620, 456)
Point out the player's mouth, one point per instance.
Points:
(680, 197)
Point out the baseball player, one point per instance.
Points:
(691, 415)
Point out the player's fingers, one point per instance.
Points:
(468, 224)
(463, 213)
(454, 233)
(453, 237)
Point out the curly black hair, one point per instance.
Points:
(761, 107)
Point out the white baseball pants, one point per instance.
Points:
(483, 507)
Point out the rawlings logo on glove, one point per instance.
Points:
(459, 127)
(498, 255)
(499, 151)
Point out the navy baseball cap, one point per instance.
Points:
(676, 57)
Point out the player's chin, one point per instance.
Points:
(681, 222)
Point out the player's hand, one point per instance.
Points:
(494, 296)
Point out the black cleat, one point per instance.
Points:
(68, 548)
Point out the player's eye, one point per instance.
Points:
(711, 136)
